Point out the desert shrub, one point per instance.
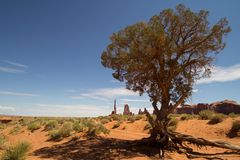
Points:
(24, 121)
(88, 123)
(34, 126)
(54, 135)
(78, 127)
(147, 126)
(186, 116)
(17, 152)
(173, 115)
(216, 118)
(105, 120)
(15, 130)
(60, 120)
(51, 124)
(206, 114)
(2, 126)
(66, 129)
(116, 125)
(131, 119)
(116, 117)
(235, 126)
(2, 141)
(172, 125)
(138, 117)
(97, 129)
(232, 115)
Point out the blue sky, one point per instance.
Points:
(50, 55)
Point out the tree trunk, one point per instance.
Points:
(173, 141)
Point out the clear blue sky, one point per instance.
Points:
(50, 55)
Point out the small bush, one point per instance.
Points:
(173, 115)
(54, 135)
(24, 121)
(116, 117)
(131, 119)
(116, 125)
(206, 114)
(172, 125)
(105, 120)
(34, 126)
(217, 118)
(232, 115)
(17, 152)
(2, 126)
(78, 127)
(186, 117)
(66, 129)
(2, 141)
(236, 126)
(138, 117)
(51, 124)
(15, 130)
(148, 126)
(97, 129)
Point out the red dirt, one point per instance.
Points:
(110, 145)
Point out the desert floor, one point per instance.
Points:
(119, 143)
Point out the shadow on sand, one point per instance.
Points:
(99, 148)
(96, 148)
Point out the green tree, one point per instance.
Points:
(164, 57)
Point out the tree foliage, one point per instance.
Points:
(166, 55)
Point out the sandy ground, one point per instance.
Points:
(117, 145)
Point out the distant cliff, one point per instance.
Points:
(225, 107)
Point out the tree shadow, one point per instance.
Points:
(97, 148)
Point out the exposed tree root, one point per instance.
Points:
(178, 139)
(175, 142)
(203, 142)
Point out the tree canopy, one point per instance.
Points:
(166, 55)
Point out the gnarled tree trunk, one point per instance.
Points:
(173, 141)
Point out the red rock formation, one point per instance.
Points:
(126, 110)
(225, 107)
(140, 112)
(114, 108)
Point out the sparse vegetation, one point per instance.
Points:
(105, 120)
(15, 130)
(138, 117)
(2, 141)
(172, 125)
(51, 124)
(131, 119)
(232, 115)
(17, 152)
(235, 130)
(34, 126)
(206, 114)
(2, 126)
(54, 135)
(186, 116)
(66, 129)
(116, 125)
(147, 126)
(78, 127)
(216, 118)
(97, 129)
